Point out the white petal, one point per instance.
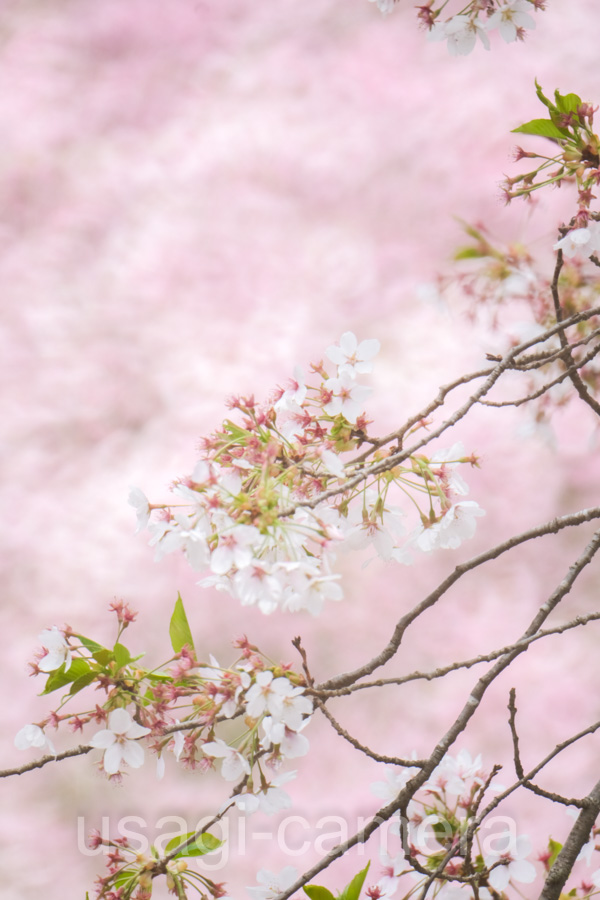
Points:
(112, 759)
(136, 731)
(119, 721)
(133, 754)
(103, 739)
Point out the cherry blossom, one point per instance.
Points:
(141, 504)
(32, 736)
(392, 868)
(58, 650)
(517, 868)
(348, 397)
(234, 765)
(270, 799)
(309, 591)
(287, 704)
(352, 357)
(272, 884)
(580, 240)
(395, 780)
(291, 744)
(445, 465)
(235, 549)
(293, 398)
(119, 742)
(453, 773)
(260, 584)
(510, 18)
(384, 6)
(461, 32)
(456, 525)
(375, 525)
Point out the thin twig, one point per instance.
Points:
(552, 527)
(568, 356)
(392, 760)
(441, 671)
(400, 803)
(512, 709)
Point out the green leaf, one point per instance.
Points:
(541, 97)
(568, 102)
(122, 655)
(59, 678)
(103, 657)
(204, 843)
(234, 430)
(92, 646)
(315, 892)
(352, 890)
(469, 253)
(554, 847)
(179, 629)
(125, 877)
(82, 682)
(542, 128)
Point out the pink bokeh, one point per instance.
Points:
(194, 198)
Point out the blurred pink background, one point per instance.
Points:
(194, 198)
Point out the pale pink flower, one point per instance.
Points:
(269, 800)
(395, 780)
(258, 584)
(119, 742)
(272, 884)
(291, 744)
(348, 397)
(58, 650)
(393, 866)
(294, 397)
(352, 357)
(517, 868)
(287, 704)
(461, 33)
(234, 765)
(580, 240)
(140, 503)
(456, 525)
(510, 17)
(235, 549)
(454, 773)
(32, 736)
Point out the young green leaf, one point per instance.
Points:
(352, 890)
(179, 629)
(90, 645)
(59, 677)
(541, 96)
(542, 128)
(567, 103)
(315, 892)
(82, 682)
(122, 655)
(204, 843)
(554, 847)
(469, 253)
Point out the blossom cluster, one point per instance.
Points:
(179, 707)
(461, 31)
(438, 820)
(131, 873)
(445, 816)
(272, 499)
(568, 124)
